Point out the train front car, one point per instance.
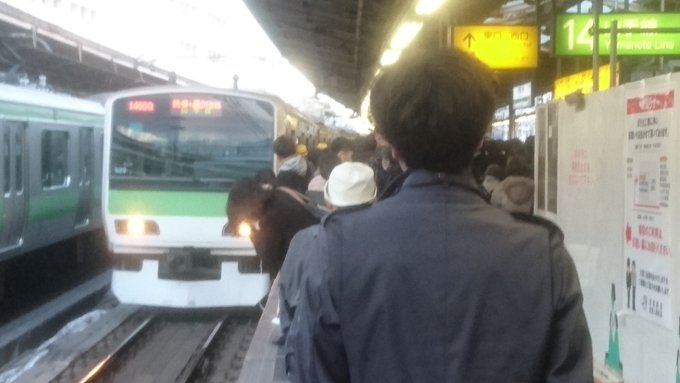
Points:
(171, 155)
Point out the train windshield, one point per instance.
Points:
(189, 141)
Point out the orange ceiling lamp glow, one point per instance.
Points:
(426, 7)
(405, 34)
(389, 57)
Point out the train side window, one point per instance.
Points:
(5, 161)
(18, 162)
(86, 167)
(54, 159)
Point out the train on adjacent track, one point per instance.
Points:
(170, 157)
(50, 169)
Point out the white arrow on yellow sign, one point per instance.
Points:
(500, 46)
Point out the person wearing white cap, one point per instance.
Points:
(350, 186)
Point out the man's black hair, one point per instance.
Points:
(327, 162)
(284, 146)
(246, 201)
(341, 144)
(434, 107)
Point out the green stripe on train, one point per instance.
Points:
(52, 204)
(23, 112)
(171, 203)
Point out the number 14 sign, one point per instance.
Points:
(573, 35)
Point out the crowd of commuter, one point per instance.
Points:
(505, 172)
(401, 255)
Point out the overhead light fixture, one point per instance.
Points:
(426, 7)
(405, 34)
(389, 57)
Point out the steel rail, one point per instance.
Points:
(192, 369)
(98, 370)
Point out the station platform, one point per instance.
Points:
(264, 362)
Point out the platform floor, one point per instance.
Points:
(264, 361)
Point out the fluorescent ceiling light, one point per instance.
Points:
(405, 34)
(426, 7)
(389, 57)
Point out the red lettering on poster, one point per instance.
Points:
(650, 231)
(650, 103)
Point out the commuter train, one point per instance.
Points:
(170, 157)
(50, 169)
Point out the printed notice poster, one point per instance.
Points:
(647, 226)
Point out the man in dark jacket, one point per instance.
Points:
(273, 215)
(351, 185)
(433, 284)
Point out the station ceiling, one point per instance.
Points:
(337, 44)
(30, 47)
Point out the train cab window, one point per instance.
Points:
(5, 162)
(54, 159)
(18, 161)
(189, 141)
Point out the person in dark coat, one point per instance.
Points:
(434, 284)
(386, 169)
(351, 185)
(274, 217)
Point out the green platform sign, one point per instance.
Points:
(573, 38)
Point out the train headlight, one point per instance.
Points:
(244, 229)
(136, 226)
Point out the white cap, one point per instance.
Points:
(349, 184)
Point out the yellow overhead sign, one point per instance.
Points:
(500, 46)
(583, 81)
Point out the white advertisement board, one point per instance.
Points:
(616, 167)
(647, 204)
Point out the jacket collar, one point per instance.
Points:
(461, 181)
(422, 177)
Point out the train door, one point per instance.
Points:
(13, 162)
(85, 178)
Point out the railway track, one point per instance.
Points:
(128, 344)
(167, 348)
